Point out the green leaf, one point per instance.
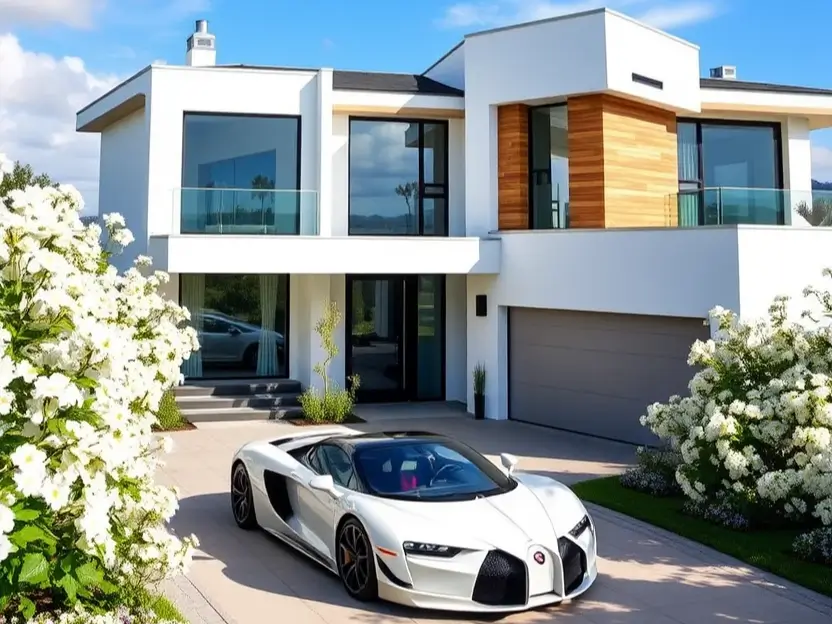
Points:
(35, 569)
(26, 515)
(68, 583)
(30, 533)
(89, 574)
(27, 607)
(107, 587)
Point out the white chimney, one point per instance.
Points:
(202, 47)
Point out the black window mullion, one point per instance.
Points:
(420, 200)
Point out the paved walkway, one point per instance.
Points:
(647, 576)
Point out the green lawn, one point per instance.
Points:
(769, 550)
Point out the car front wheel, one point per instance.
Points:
(356, 566)
(242, 499)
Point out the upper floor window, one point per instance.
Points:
(548, 167)
(729, 172)
(398, 177)
(240, 174)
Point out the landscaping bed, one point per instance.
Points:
(303, 421)
(769, 550)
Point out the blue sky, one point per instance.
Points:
(108, 40)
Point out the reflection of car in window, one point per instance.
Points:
(224, 339)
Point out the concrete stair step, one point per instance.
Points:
(226, 414)
(238, 387)
(260, 401)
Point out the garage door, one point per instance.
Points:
(596, 373)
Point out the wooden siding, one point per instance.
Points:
(513, 167)
(622, 163)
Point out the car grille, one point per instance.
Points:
(574, 564)
(502, 581)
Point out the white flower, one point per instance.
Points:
(5, 547)
(6, 519)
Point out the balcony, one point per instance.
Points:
(246, 211)
(752, 206)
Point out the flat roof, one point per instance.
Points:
(351, 80)
(744, 85)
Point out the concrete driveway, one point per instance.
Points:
(646, 575)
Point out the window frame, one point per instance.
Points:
(698, 123)
(298, 156)
(533, 173)
(426, 190)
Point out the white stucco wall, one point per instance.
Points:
(123, 176)
(664, 272)
(177, 90)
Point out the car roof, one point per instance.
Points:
(385, 438)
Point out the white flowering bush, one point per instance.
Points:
(85, 357)
(654, 472)
(755, 434)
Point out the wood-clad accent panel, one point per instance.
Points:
(513, 167)
(622, 163)
(640, 164)
(585, 136)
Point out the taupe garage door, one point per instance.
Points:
(596, 373)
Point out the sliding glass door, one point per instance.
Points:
(395, 337)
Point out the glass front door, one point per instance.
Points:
(395, 338)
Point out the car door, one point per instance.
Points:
(316, 510)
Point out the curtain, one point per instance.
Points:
(193, 298)
(267, 364)
(689, 171)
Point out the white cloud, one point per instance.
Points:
(822, 163)
(492, 13)
(39, 96)
(74, 13)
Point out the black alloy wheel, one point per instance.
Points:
(356, 566)
(242, 501)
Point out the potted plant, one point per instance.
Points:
(479, 392)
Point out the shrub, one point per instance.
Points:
(334, 404)
(755, 434)
(815, 546)
(169, 416)
(86, 356)
(654, 472)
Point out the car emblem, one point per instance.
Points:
(540, 557)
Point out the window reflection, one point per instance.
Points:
(549, 167)
(241, 321)
(729, 173)
(397, 180)
(231, 169)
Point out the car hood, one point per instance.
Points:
(508, 522)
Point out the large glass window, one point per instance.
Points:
(242, 322)
(241, 174)
(398, 177)
(549, 167)
(729, 172)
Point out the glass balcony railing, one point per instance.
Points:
(754, 206)
(247, 211)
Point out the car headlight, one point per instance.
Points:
(430, 550)
(579, 528)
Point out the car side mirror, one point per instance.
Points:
(324, 483)
(508, 461)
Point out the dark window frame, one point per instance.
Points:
(298, 173)
(533, 173)
(698, 122)
(423, 186)
(286, 338)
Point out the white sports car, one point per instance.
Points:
(418, 519)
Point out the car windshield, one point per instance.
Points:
(428, 470)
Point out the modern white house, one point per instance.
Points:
(566, 223)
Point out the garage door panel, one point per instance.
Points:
(589, 413)
(586, 371)
(596, 373)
